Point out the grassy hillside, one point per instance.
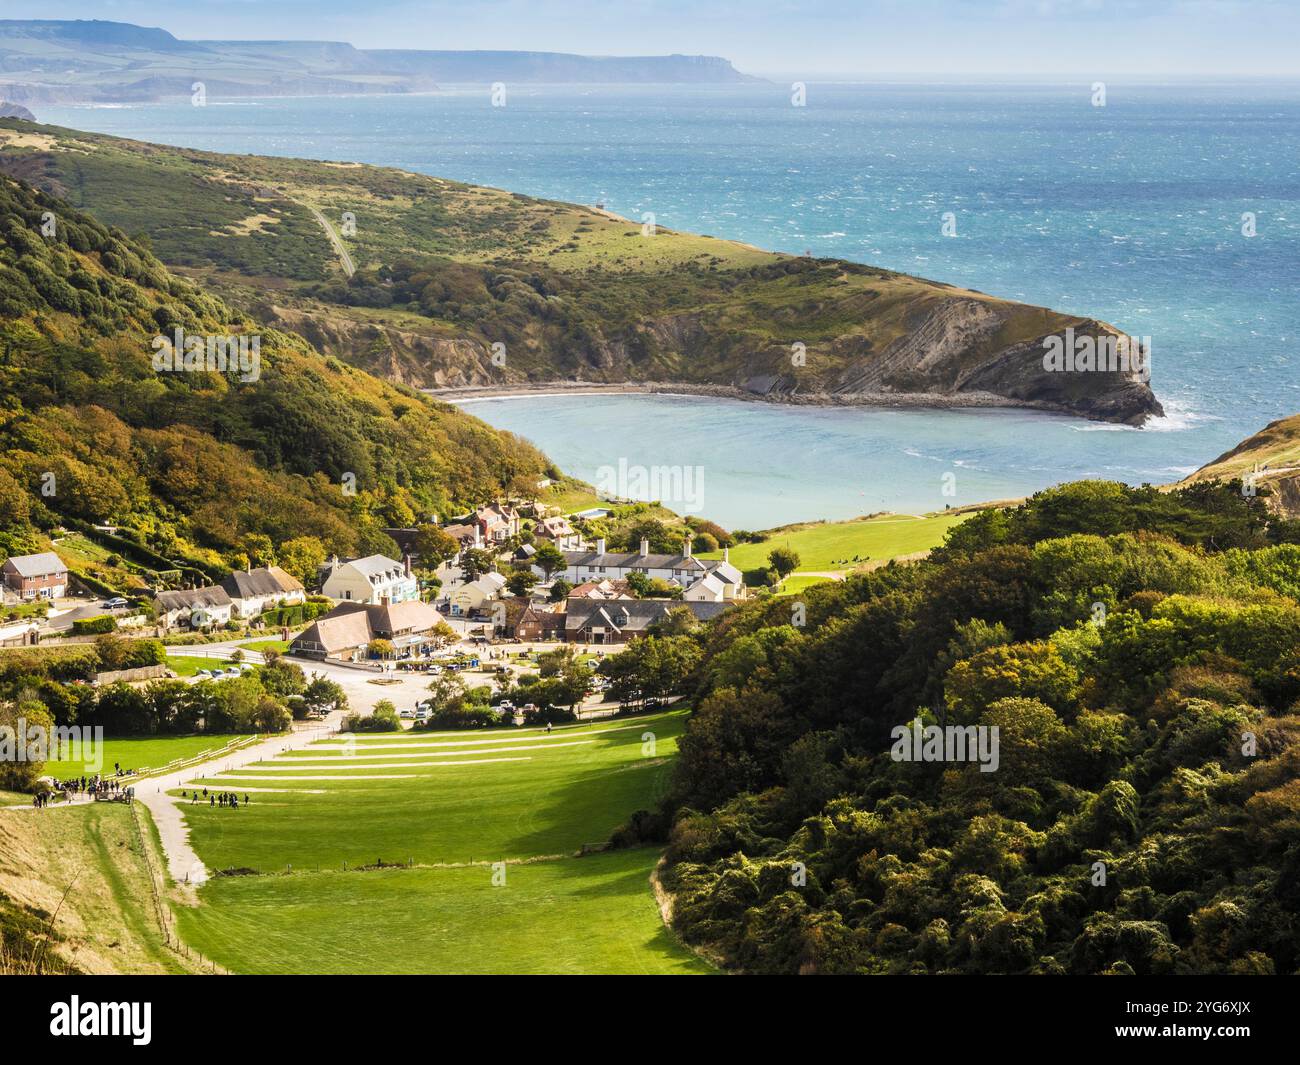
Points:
(106, 923)
(847, 545)
(1268, 462)
(201, 467)
(445, 270)
(453, 804)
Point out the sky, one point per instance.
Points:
(811, 38)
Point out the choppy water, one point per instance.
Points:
(1131, 213)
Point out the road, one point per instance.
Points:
(345, 257)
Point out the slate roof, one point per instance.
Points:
(632, 615)
(37, 565)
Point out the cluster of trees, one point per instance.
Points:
(1138, 654)
(47, 686)
(202, 466)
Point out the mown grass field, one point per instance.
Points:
(135, 752)
(436, 798)
(577, 915)
(846, 545)
(187, 665)
(461, 807)
(795, 584)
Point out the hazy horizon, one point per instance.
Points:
(825, 39)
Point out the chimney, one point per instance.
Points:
(686, 546)
(645, 546)
(406, 560)
(385, 600)
(478, 535)
(726, 554)
(600, 546)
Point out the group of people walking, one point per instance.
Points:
(217, 798)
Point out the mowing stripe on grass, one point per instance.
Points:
(380, 759)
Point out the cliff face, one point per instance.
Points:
(449, 286)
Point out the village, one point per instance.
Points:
(514, 579)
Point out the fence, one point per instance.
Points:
(157, 888)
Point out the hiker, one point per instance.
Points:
(212, 800)
(245, 798)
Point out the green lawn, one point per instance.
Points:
(519, 794)
(835, 546)
(187, 666)
(135, 752)
(452, 803)
(267, 645)
(795, 584)
(580, 915)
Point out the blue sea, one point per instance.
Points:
(1132, 213)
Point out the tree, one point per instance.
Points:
(324, 696)
(475, 561)
(433, 546)
(549, 558)
(442, 634)
(283, 678)
(521, 581)
(560, 589)
(258, 549)
(380, 648)
(24, 727)
(447, 691)
(302, 557)
(784, 560)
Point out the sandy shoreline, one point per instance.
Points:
(883, 400)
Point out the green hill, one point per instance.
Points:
(1267, 462)
(201, 464)
(1130, 661)
(459, 285)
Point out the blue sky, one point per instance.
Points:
(1070, 38)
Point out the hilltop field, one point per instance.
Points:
(439, 284)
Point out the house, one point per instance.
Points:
(497, 522)
(345, 632)
(684, 569)
(605, 589)
(370, 580)
(467, 533)
(559, 532)
(471, 598)
(618, 621)
(195, 608)
(255, 591)
(536, 622)
(43, 576)
(524, 554)
(708, 589)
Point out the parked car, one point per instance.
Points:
(423, 714)
(235, 671)
(406, 715)
(115, 602)
(203, 673)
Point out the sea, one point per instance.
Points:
(1172, 211)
